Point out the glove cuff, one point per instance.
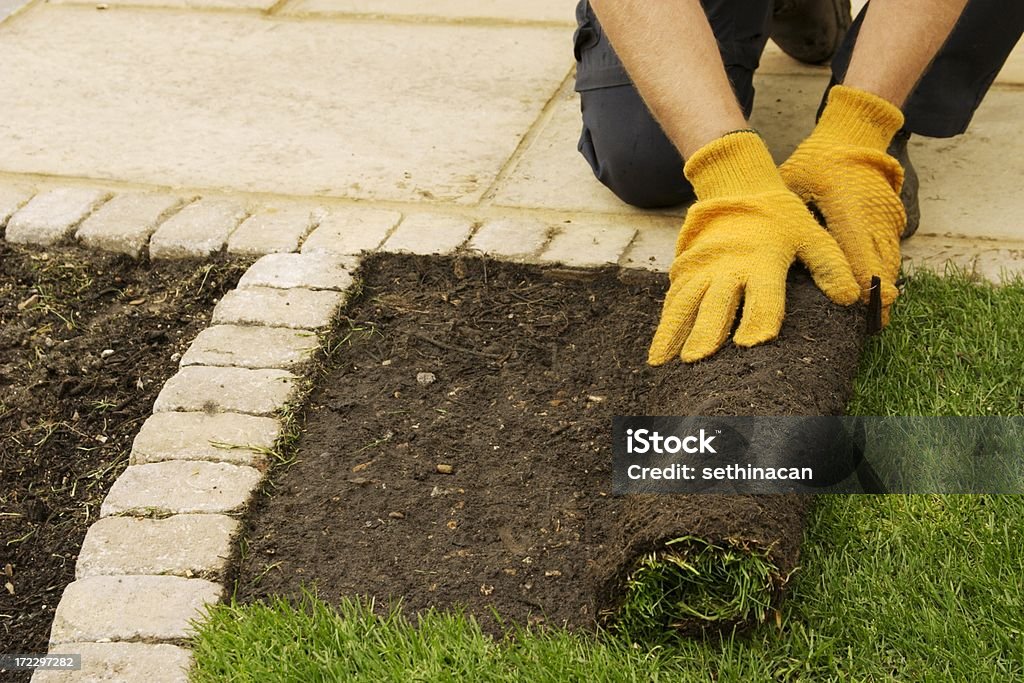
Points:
(859, 118)
(735, 164)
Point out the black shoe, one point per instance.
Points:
(810, 31)
(908, 195)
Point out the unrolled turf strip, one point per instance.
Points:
(734, 382)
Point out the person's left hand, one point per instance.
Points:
(843, 170)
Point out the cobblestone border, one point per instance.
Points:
(157, 556)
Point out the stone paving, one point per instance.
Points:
(304, 132)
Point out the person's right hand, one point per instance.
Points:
(738, 242)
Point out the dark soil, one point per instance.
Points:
(490, 485)
(86, 342)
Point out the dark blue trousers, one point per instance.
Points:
(631, 155)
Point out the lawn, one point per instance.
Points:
(909, 588)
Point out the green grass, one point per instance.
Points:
(954, 347)
(907, 588)
(692, 584)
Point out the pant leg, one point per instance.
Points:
(625, 146)
(945, 99)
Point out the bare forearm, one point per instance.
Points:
(672, 56)
(897, 42)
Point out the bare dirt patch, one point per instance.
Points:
(86, 343)
(457, 453)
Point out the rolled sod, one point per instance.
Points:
(702, 564)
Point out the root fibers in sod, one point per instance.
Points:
(457, 452)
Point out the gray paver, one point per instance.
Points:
(220, 437)
(12, 198)
(272, 231)
(251, 347)
(297, 308)
(53, 215)
(152, 608)
(233, 390)
(200, 229)
(588, 244)
(180, 545)
(122, 663)
(350, 231)
(179, 487)
(125, 223)
(430, 234)
(312, 271)
(512, 238)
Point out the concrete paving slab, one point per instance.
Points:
(261, 5)
(970, 185)
(552, 174)
(557, 11)
(9, 7)
(229, 100)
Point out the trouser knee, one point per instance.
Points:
(628, 151)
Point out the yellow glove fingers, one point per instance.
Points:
(677, 317)
(764, 305)
(714, 320)
(829, 268)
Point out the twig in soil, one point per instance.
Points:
(461, 349)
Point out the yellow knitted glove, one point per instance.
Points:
(843, 169)
(738, 241)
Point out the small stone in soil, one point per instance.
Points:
(396, 515)
(445, 468)
(425, 378)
